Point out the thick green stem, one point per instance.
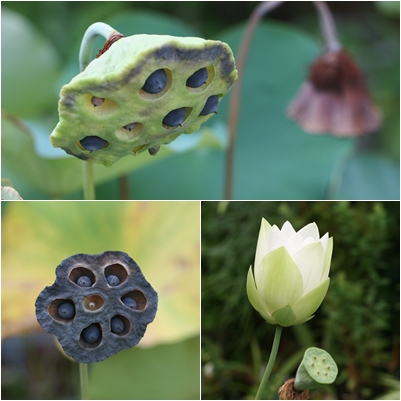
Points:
(85, 52)
(270, 364)
(88, 181)
(83, 375)
(85, 57)
(233, 113)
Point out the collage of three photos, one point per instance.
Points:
(200, 200)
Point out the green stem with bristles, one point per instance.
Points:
(270, 364)
(85, 57)
(83, 375)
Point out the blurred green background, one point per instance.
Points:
(357, 323)
(162, 237)
(40, 42)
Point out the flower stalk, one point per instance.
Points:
(85, 57)
(270, 363)
(83, 376)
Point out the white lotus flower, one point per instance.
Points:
(291, 273)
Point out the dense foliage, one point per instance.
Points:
(358, 322)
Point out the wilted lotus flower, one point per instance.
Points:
(291, 271)
(334, 99)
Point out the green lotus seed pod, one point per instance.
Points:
(108, 99)
(316, 369)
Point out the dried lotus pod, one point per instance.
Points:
(121, 100)
(92, 323)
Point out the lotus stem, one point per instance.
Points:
(83, 375)
(270, 363)
(233, 112)
(85, 57)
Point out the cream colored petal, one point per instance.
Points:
(275, 240)
(310, 302)
(295, 243)
(281, 283)
(310, 230)
(287, 230)
(327, 259)
(324, 241)
(310, 261)
(261, 247)
(254, 298)
(284, 316)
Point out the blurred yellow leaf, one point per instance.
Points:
(162, 237)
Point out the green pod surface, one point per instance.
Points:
(316, 369)
(107, 99)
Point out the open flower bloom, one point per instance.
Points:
(290, 279)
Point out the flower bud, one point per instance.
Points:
(290, 278)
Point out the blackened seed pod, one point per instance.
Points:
(92, 334)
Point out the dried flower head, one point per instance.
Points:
(93, 319)
(334, 99)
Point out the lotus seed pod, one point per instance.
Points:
(113, 280)
(124, 96)
(66, 310)
(316, 369)
(84, 281)
(101, 324)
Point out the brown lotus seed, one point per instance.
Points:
(97, 101)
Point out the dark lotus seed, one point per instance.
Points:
(84, 281)
(130, 127)
(66, 310)
(113, 280)
(93, 143)
(175, 117)
(153, 151)
(129, 302)
(198, 78)
(211, 106)
(117, 325)
(155, 82)
(91, 333)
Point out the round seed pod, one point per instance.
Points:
(123, 96)
(94, 322)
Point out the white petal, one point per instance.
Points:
(261, 247)
(310, 261)
(295, 243)
(287, 230)
(310, 230)
(324, 241)
(275, 240)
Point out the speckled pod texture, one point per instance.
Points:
(107, 99)
(97, 305)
